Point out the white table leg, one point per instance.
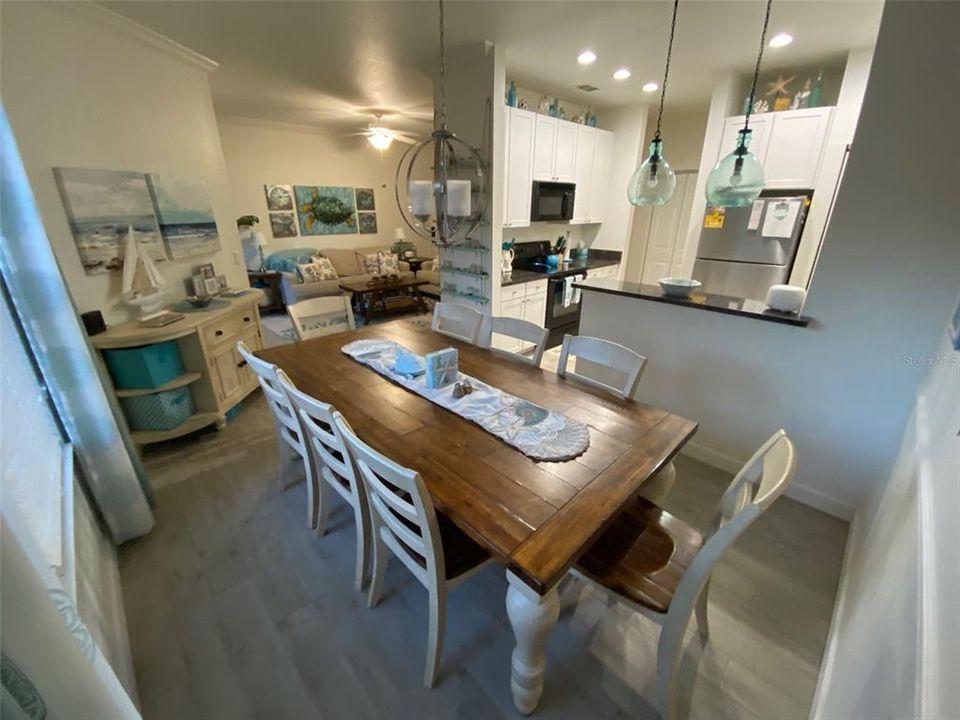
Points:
(532, 617)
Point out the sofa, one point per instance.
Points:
(346, 261)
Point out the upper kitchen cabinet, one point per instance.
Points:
(583, 172)
(790, 145)
(600, 179)
(555, 146)
(518, 181)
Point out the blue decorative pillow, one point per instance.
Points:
(287, 260)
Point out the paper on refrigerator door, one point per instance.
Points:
(755, 213)
(780, 218)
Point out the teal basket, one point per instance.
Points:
(144, 367)
(159, 411)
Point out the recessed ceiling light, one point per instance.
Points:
(650, 87)
(586, 57)
(621, 74)
(781, 40)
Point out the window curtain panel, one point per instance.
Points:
(51, 666)
(63, 353)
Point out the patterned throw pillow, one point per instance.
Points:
(369, 263)
(317, 271)
(389, 264)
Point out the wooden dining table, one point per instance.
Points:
(535, 518)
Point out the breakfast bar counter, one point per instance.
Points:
(697, 300)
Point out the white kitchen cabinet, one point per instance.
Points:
(605, 272)
(521, 129)
(583, 172)
(790, 145)
(555, 147)
(600, 178)
(796, 148)
(524, 301)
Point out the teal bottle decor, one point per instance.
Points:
(814, 99)
(736, 181)
(654, 181)
(512, 94)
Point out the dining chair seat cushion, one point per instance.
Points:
(643, 555)
(461, 554)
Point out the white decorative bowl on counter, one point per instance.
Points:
(678, 287)
(786, 298)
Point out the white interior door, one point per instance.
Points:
(666, 238)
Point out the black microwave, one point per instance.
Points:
(552, 201)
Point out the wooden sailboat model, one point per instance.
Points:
(143, 285)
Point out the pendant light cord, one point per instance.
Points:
(756, 70)
(443, 72)
(666, 70)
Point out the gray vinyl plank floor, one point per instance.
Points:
(237, 610)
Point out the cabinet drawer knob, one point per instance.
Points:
(218, 333)
(246, 319)
(241, 364)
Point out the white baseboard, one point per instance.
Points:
(801, 493)
(839, 605)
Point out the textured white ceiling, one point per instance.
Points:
(332, 63)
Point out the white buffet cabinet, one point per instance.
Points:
(539, 147)
(523, 301)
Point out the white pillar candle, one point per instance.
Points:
(421, 198)
(458, 198)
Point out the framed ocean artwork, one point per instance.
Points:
(102, 206)
(366, 200)
(283, 225)
(367, 223)
(185, 214)
(279, 197)
(325, 210)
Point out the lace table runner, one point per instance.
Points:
(538, 433)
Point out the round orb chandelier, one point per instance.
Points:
(441, 181)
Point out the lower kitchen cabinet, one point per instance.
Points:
(524, 301)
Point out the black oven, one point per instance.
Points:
(563, 308)
(552, 201)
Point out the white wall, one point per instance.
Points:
(901, 575)
(261, 152)
(85, 88)
(887, 275)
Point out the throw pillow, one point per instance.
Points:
(370, 263)
(318, 271)
(389, 264)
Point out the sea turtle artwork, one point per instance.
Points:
(326, 210)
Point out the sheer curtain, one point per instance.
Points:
(63, 354)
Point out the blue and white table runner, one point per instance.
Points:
(537, 432)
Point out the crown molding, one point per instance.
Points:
(122, 25)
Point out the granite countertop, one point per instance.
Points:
(697, 300)
(590, 263)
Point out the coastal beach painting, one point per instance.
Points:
(185, 214)
(326, 210)
(101, 206)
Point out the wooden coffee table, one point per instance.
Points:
(373, 300)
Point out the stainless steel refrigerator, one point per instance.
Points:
(743, 251)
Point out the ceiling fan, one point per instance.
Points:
(381, 137)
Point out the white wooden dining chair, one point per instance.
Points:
(457, 321)
(518, 329)
(403, 521)
(290, 435)
(613, 358)
(624, 363)
(334, 469)
(321, 316)
(661, 567)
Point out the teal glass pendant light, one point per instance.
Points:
(736, 181)
(654, 181)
